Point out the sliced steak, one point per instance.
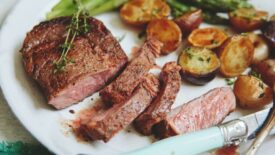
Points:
(97, 57)
(170, 85)
(106, 124)
(123, 86)
(202, 112)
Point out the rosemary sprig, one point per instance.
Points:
(75, 28)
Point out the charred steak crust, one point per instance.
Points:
(170, 85)
(97, 58)
(123, 86)
(202, 112)
(105, 125)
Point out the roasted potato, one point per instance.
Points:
(236, 54)
(269, 33)
(247, 19)
(189, 21)
(207, 37)
(199, 65)
(261, 48)
(267, 71)
(251, 92)
(140, 12)
(167, 32)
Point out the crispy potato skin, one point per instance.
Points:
(261, 48)
(267, 70)
(198, 65)
(207, 37)
(252, 92)
(269, 33)
(141, 12)
(245, 19)
(189, 21)
(236, 55)
(166, 31)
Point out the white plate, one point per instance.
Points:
(48, 125)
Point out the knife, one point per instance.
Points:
(230, 133)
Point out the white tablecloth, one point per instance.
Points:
(10, 129)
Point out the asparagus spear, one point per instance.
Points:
(179, 8)
(63, 8)
(107, 6)
(93, 7)
(213, 18)
(219, 5)
(174, 4)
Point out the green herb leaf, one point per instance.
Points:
(261, 85)
(255, 74)
(78, 26)
(214, 41)
(200, 59)
(261, 95)
(230, 81)
(119, 39)
(142, 34)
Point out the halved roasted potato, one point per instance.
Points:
(207, 37)
(166, 31)
(189, 21)
(261, 48)
(140, 12)
(247, 19)
(269, 33)
(267, 71)
(236, 54)
(251, 92)
(199, 65)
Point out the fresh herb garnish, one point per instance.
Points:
(208, 59)
(261, 95)
(119, 39)
(142, 34)
(76, 27)
(261, 85)
(244, 34)
(230, 81)
(200, 59)
(189, 53)
(214, 41)
(255, 74)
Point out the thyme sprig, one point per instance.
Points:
(76, 27)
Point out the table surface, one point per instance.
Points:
(10, 128)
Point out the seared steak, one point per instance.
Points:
(123, 86)
(170, 85)
(97, 58)
(202, 112)
(105, 125)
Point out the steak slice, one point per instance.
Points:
(202, 112)
(97, 57)
(170, 85)
(123, 86)
(106, 124)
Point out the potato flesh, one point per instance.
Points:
(207, 37)
(165, 31)
(236, 55)
(245, 19)
(261, 48)
(139, 12)
(201, 61)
